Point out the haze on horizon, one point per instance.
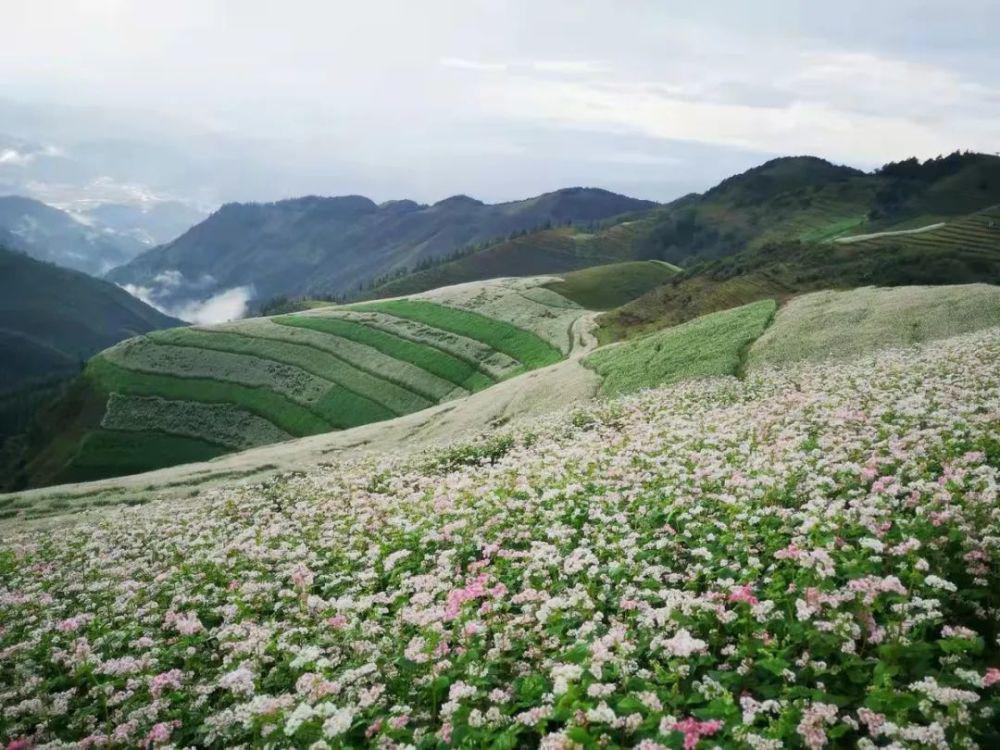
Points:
(208, 101)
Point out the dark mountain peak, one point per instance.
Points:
(458, 201)
(781, 175)
(938, 167)
(404, 206)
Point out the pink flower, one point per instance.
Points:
(374, 728)
(693, 730)
(19, 744)
(160, 733)
(161, 682)
(992, 677)
(337, 622)
(302, 577)
(743, 594)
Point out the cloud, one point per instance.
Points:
(230, 304)
(15, 157)
(170, 293)
(858, 108)
(463, 64)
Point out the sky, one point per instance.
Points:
(207, 101)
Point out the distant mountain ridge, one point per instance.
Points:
(324, 245)
(798, 198)
(49, 234)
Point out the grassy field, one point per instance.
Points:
(439, 362)
(605, 287)
(165, 397)
(526, 347)
(714, 344)
(849, 324)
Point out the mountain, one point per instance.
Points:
(787, 199)
(317, 245)
(52, 319)
(961, 251)
(49, 234)
(148, 224)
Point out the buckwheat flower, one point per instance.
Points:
(602, 714)
(562, 675)
(159, 734)
(165, 680)
(693, 730)
(812, 727)
(683, 644)
(338, 722)
(940, 583)
(239, 681)
(302, 577)
(302, 713)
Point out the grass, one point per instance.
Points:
(848, 324)
(220, 424)
(318, 362)
(105, 453)
(276, 408)
(710, 345)
(424, 356)
(524, 346)
(605, 287)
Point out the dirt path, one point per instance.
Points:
(898, 232)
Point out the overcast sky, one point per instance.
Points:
(260, 99)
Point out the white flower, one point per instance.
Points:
(939, 583)
(684, 645)
(338, 723)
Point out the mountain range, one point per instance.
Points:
(316, 245)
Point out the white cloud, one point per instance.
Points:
(15, 157)
(220, 308)
(463, 64)
(169, 285)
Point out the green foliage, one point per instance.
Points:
(426, 357)
(488, 450)
(781, 270)
(605, 287)
(321, 363)
(526, 347)
(105, 453)
(710, 345)
(274, 407)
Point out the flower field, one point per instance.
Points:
(806, 558)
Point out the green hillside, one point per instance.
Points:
(549, 251)
(844, 325)
(964, 250)
(605, 287)
(191, 394)
(51, 320)
(713, 344)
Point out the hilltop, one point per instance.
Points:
(790, 199)
(316, 245)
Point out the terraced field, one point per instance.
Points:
(189, 394)
(977, 231)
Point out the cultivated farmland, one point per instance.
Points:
(190, 394)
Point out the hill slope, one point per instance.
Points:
(193, 393)
(52, 319)
(49, 234)
(962, 251)
(331, 245)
